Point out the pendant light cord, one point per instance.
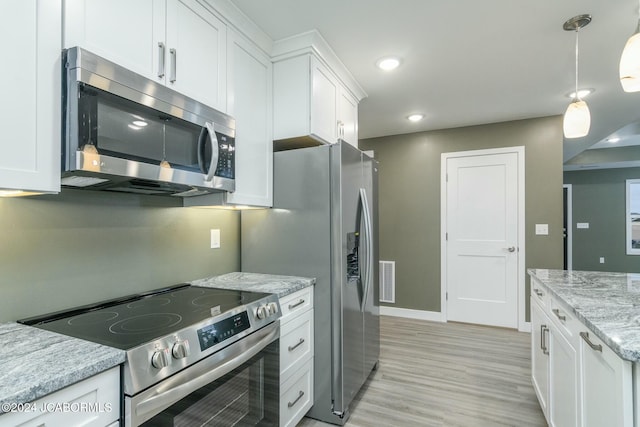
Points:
(577, 97)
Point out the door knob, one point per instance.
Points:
(511, 249)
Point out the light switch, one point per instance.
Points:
(542, 229)
(215, 238)
(601, 260)
(582, 225)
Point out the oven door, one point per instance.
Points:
(237, 386)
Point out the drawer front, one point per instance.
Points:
(540, 294)
(94, 401)
(296, 343)
(296, 303)
(296, 397)
(566, 321)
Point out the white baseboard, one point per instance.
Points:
(433, 316)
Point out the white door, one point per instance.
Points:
(323, 102)
(482, 214)
(348, 117)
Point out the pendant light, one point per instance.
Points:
(630, 62)
(577, 118)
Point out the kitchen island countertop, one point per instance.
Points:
(257, 282)
(607, 303)
(36, 362)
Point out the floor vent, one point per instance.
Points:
(388, 281)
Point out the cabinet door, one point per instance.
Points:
(540, 355)
(563, 381)
(30, 86)
(123, 31)
(249, 102)
(348, 117)
(324, 96)
(607, 385)
(196, 53)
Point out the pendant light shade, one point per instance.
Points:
(577, 118)
(630, 63)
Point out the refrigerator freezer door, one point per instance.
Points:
(347, 290)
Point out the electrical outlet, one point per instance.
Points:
(583, 225)
(215, 238)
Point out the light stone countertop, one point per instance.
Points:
(35, 362)
(607, 303)
(257, 282)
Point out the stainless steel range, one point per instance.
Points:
(195, 355)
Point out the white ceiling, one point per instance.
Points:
(468, 62)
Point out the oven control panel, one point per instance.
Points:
(217, 332)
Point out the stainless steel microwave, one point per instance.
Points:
(124, 132)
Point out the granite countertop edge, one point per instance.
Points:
(42, 362)
(596, 324)
(257, 282)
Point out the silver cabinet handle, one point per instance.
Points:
(538, 292)
(300, 394)
(174, 71)
(558, 315)
(161, 59)
(543, 342)
(596, 347)
(293, 347)
(299, 303)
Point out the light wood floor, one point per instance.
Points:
(447, 374)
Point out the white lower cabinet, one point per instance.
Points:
(564, 382)
(578, 379)
(296, 356)
(607, 384)
(94, 402)
(539, 355)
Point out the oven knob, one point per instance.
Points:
(273, 308)
(161, 358)
(261, 312)
(181, 349)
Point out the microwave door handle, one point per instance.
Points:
(213, 165)
(215, 152)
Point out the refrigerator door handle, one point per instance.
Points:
(368, 234)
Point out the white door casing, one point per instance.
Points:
(482, 268)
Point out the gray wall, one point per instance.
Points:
(78, 247)
(409, 197)
(599, 199)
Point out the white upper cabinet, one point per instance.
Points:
(323, 117)
(347, 117)
(315, 99)
(175, 42)
(249, 102)
(30, 84)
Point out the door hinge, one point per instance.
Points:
(446, 177)
(446, 296)
(446, 236)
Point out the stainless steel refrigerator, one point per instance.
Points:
(324, 225)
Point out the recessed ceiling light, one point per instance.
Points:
(415, 117)
(139, 123)
(134, 127)
(613, 139)
(389, 63)
(581, 93)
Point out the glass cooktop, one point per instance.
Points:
(136, 320)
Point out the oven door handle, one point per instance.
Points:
(242, 351)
